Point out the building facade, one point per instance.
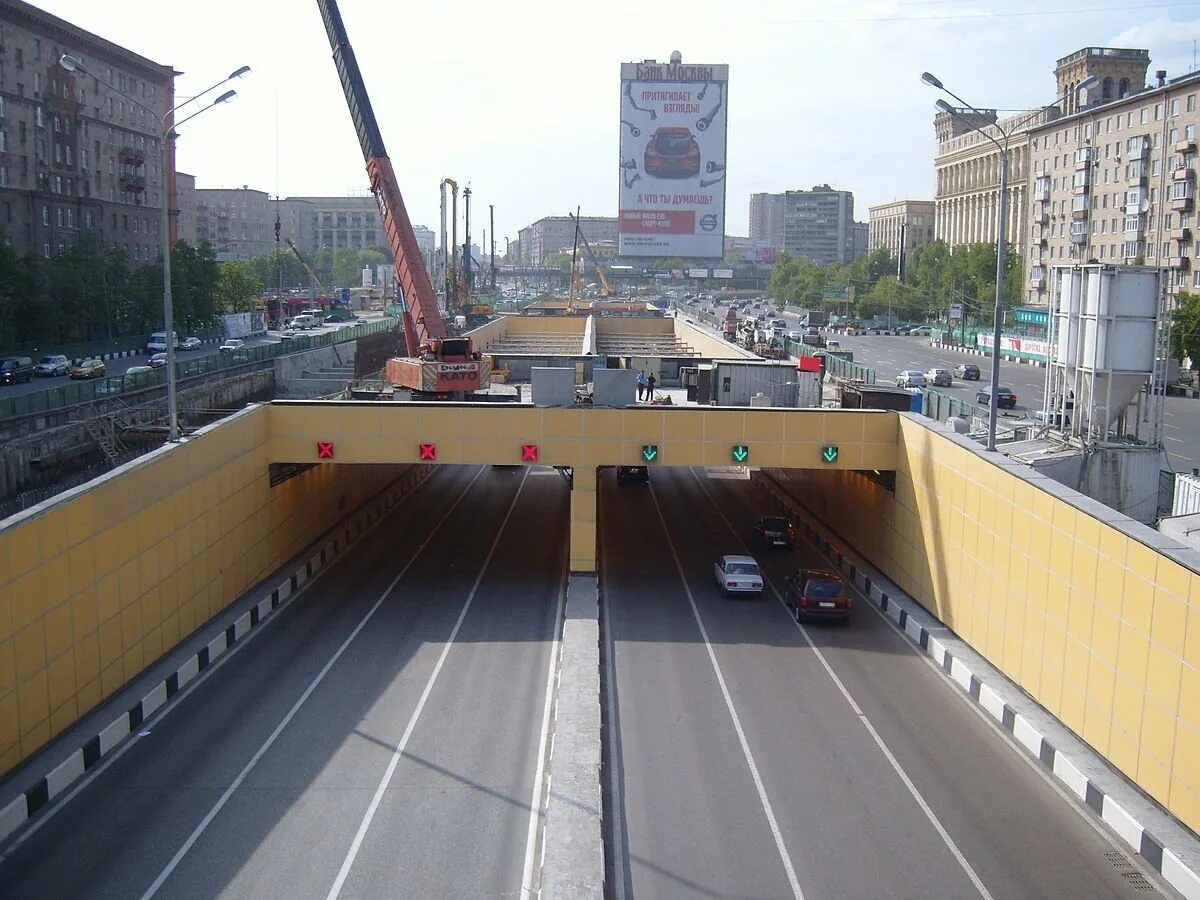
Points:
(1115, 182)
(238, 222)
(74, 153)
(862, 239)
(339, 222)
(766, 220)
(185, 208)
(295, 222)
(554, 233)
(819, 225)
(910, 221)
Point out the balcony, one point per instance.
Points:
(1040, 216)
(1136, 178)
(1185, 146)
(1083, 156)
(1079, 237)
(1037, 281)
(132, 156)
(1137, 148)
(1081, 207)
(1042, 240)
(1180, 234)
(134, 183)
(1181, 204)
(1182, 173)
(1178, 262)
(1041, 194)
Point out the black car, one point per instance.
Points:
(633, 475)
(967, 372)
(15, 369)
(773, 531)
(818, 594)
(1004, 397)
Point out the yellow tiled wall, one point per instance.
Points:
(97, 586)
(1098, 627)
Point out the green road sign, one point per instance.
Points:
(829, 454)
(649, 452)
(741, 453)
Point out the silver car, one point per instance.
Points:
(910, 378)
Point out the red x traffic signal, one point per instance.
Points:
(324, 449)
(429, 452)
(529, 452)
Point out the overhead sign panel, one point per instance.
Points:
(672, 167)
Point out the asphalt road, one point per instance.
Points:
(751, 758)
(119, 366)
(279, 776)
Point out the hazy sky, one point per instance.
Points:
(521, 99)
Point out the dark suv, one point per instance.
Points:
(967, 372)
(818, 594)
(15, 369)
(633, 475)
(773, 531)
(1004, 397)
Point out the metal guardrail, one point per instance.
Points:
(76, 392)
(941, 407)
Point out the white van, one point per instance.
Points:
(158, 341)
(304, 320)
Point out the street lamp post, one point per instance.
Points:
(1001, 225)
(166, 133)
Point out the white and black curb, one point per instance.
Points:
(62, 776)
(125, 354)
(933, 638)
(971, 351)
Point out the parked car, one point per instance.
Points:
(190, 343)
(138, 369)
(738, 575)
(773, 531)
(88, 368)
(52, 366)
(157, 361)
(923, 330)
(939, 377)
(1004, 397)
(967, 372)
(910, 378)
(15, 369)
(633, 475)
(817, 593)
(232, 345)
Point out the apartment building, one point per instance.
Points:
(553, 233)
(819, 225)
(901, 226)
(238, 222)
(1115, 182)
(185, 208)
(74, 153)
(766, 220)
(345, 222)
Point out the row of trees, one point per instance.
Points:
(937, 276)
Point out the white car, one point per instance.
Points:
(232, 345)
(921, 330)
(910, 378)
(290, 335)
(738, 575)
(190, 343)
(138, 370)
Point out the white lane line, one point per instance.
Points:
(537, 809)
(1176, 440)
(356, 844)
(615, 768)
(737, 722)
(291, 714)
(862, 717)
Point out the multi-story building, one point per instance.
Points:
(345, 222)
(1115, 181)
(513, 256)
(766, 220)
(295, 222)
(819, 225)
(553, 233)
(238, 222)
(907, 220)
(74, 153)
(185, 206)
(862, 239)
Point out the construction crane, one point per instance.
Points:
(316, 282)
(605, 288)
(436, 362)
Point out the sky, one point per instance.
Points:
(520, 100)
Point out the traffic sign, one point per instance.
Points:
(649, 452)
(829, 454)
(324, 449)
(529, 452)
(429, 452)
(741, 453)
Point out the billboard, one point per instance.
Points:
(672, 167)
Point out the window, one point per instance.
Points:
(1144, 117)
(58, 184)
(4, 176)
(1133, 224)
(58, 215)
(45, 247)
(45, 215)
(1172, 136)
(110, 106)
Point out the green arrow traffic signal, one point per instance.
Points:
(741, 453)
(829, 454)
(649, 452)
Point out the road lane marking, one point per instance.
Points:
(356, 844)
(1176, 440)
(862, 717)
(616, 769)
(737, 722)
(537, 810)
(291, 714)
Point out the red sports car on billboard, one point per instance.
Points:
(672, 153)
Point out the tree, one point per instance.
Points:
(1185, 327)
(236, 288)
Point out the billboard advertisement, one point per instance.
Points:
(672, 167)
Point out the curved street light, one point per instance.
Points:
(1001, 226)
(166, 132)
